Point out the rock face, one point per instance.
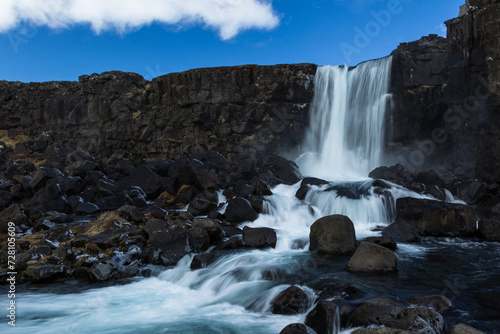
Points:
(230, 109)
(435, 218)
(446, 92)
(333, 235)
(297, 329)
(372, 257)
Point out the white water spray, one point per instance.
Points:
(348, 113)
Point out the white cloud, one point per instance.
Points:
(229, 17)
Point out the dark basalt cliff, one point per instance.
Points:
(228, 109)
(446, 94)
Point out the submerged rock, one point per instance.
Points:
(438, 302)
(293, 300)
(464, 329)
(376, 312)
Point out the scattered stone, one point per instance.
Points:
(85, 208)
(45, 272)
(384, 241)
(370, 257)
(198, 239)
(382, 330)
(337, 290)
(333, 235)
(420, 319)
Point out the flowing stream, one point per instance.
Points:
(233, 294)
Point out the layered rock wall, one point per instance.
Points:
(446, 96)
(228, 109)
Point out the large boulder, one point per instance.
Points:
(435, 218)
(292, 300)
(240, 210)
(376, 312)
(333, 235)
(324, 318)
(212, 227)
(166, 245)
(382, 330)
(260, 237)
(370, 257)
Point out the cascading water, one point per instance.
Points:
(347, 119)
(233, 294)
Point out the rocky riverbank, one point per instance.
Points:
(78, 217)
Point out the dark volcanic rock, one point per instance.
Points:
(323, 318)
(202, 260)
(420, 320)
(333, 235)
(401, 231)
(306, 184)
(240, 210)
(435, 218)
(370, 257)
(260, 237)
(438, 302)
(464, 329)
(490, 229)
(376, 312)
(290, 301)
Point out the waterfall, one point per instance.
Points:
(347, 119)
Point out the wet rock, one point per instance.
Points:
(297, 329)
(401, 231)
(396, 174)
(200, 206)
(166, 246)
(324, 318)
(198, 239)
(45, 272)
(333, 235)
(285, 170)
(144, 178)
(436, 218)
(260, 237)
(383, 241)
(234, 242)
(202, 260)
(370, 257)
(115, 202)
(438, 302)
(59, 233)
(240, 210)
(337, 290)
(306, 184)
(490, 229)
(376, 312)
(472, 191)
(102, 271)
(464, 329)
(290, 301)
(85, 208)
(41, 177)
(420, 319)
(213, 229)
(13, 214)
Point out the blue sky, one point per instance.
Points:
(60, 42)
